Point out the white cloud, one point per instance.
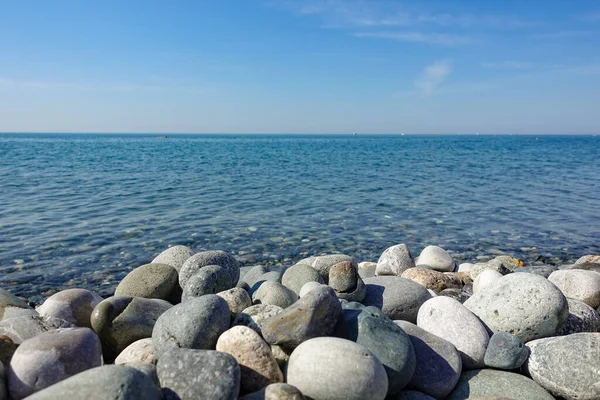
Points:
(418, 37)
(432, 76)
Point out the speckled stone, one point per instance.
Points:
(152, 281)
(174, 256)
(72, 305)
(298, 275)
(275, 391)
(398, 298)
(430, 279)
(274, 293)
(578, 284)
(12, 306)
(324, 263)
(257, 364)
(195, 263)
(394, 261)
(582, 318)
(590, 258)
(237, 299)
(588, 266)
(51, 357)
(140, 351)
(24, 327)
(254, 316)
(436, 258)
(505, 351)
(187, 374)
(333, 368)
(109, 382)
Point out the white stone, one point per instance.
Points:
(308, 286)
(485, 278)
(578, 284)
(436, 258)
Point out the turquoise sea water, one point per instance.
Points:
(82, 210)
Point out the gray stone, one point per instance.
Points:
(567, 366)
(72, 305)
(237, 299)
(254, 316)
(147, 368)
(308, 286)
(120, 321)
(7, 349)
(438, 363)
(214, 257)
(210, 279)
(505, 351)
(343, 276)
(436, 258)
(275, 391)
(526, 305)
(450, 320)
(51, 357)
(394, 261)
(174, 256)
(324, 263)
(274, 293)
(194, 324)
(411, 395)
(24, 327)
(590, 258)
(257, 364)
(495, 265)
(541, 270)
(109, 382)
(281, 356)
(313, 315)
(578, 284)
(588, 266)
(398, 298)
(140, 351)
(582, 318)
(456, 294)
(333, 368)
(271, 276)
(430, 279)
(12, 306)
(198, 374)
(357, 294)
(251, 276)
(152, 281)
(511, 263)
(298, 275)
(366, 269)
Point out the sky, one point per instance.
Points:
(290, 66)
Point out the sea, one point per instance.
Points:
(82, 210)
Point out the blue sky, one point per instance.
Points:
(315, 66)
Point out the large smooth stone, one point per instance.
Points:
(275, 391)
(254, 316)
(567, 366)
(450, 320)
(436, 258)
(274, 293)
(72, 305)
(308, 286)
(140, 351)
(298, 275)
(324, 263)
(24, 327)
(526, 305)
(332, 368)
(152, 281)
(394, 261)
(194, 324)
(12, 306)
(271, 276)
(398, 298)
(109, 382)
(257, 363)
(486, 383)
(578, 284)
(231, 268)
(485, 279)
(505, 351)
(52, 357)
(430, 279)
(251, 276)
(120, 321)
(237, 299)
(311, 316)
(438, 363)
(211, 279)
(198, 374)
(582, 318)
(174, 256)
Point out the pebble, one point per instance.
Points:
(308, 286)
(298, 275)
(140, 351)
(485, 278)
(582, 318)
(24, 327)
(198, 261)
(323, 263)
(505, 351)
(109, 382)
(174, 256)
(430, 279)
(333, 368)
(72, 305)
(193, 324)
(237, 299)
(12, 306)
(394, 261)
(51, 357)
(366, 269)
(343, 276)
(254, 316)
(578, 284)
(257, 364)
(187, 374)
(275, 391)
(398, 298)
(152, 281)
(436, 258)
(314, 315)
(211, 279)
(438, 363)
(526, 305)
(567, 366)
(274, 293)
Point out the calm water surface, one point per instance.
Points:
(82, 210)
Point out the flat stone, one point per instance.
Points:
(195, 263)
(436, 258)
(526, 305)
(505, 351)
(109, 382)
(274, 293)
(366, 269)
(485, 278)
(312, 316)
(72, 305)
(275, 391)
(24, 327)
(398, 298)
(582, 318)
(237, 299)
(298, 275)
(438, 363)
(120, 321)
(323, 263)
(578, 284)
(152, 281)
(430, 279)
(187, 374)
(257, 364)
(193, 324)
(12, 306)
(51, 357)
(590, 258)
(482, 383)
(140, 351)
(394, 261)
(254, 316)
(211, 279)
(333, 368)
(567, 366)
(174, 256)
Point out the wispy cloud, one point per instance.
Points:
(563, 34)
(418, 37)
(432, 76)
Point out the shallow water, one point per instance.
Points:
(83, 210)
